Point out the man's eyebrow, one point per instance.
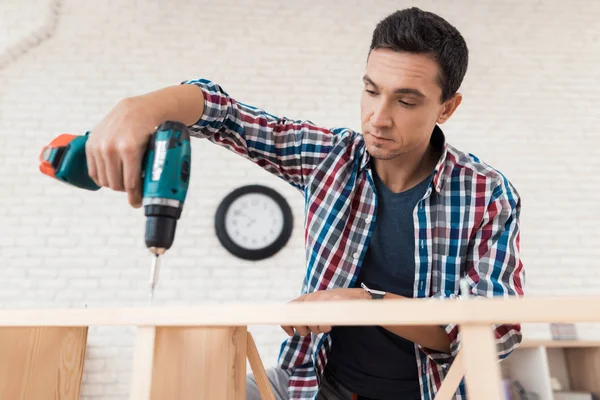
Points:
(415, 92)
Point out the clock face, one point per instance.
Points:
(254, 221)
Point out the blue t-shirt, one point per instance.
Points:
(372, 361)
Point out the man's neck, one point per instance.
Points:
(407, 170)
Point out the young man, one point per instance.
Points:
(394, 208)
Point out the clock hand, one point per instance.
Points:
(252, 222)
(238, 212)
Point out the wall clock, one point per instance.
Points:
(253, 222)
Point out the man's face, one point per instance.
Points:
(400, 103)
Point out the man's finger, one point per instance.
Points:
(134, 197)
(91, 166)
(303, 330)
(324, 328)
(314, 329)
(132, 177)
(100, 171)
(114, 172)
(288, 329)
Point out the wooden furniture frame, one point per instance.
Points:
(199, 352)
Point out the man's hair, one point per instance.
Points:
(416, 31)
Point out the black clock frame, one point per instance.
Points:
(249, 254)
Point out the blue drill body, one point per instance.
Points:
(167, 163)
(166, 177)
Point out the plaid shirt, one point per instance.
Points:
(466, 225)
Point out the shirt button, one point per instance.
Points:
(368, 220)
(355, 255)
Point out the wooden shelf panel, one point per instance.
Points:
(560, 343)
(350, 312)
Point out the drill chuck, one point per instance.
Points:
(161, 223)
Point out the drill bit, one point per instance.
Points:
(154, 269)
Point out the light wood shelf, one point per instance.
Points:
(575, 364)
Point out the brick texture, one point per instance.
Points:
(530, 109)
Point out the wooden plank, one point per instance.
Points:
(42, 363)
(143, 358)
(455, 374)
(584, 369)
(559, 343)
(351, 312)
(192, 363)
(482, 375)
(258, 370)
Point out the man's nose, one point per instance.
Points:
(381, 117)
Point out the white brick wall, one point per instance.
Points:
(530, 108)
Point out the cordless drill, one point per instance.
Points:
(165, 174)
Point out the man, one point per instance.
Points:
(394, 208)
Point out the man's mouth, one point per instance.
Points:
(381, 138)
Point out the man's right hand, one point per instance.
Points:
(116, 146)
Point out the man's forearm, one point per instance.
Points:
(430, 336)
(184, 103)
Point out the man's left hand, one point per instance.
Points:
(325, 295)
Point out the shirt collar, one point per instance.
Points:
(438, 140)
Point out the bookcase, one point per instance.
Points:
(555, 369)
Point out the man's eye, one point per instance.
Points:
(372, 93)
(406, 104)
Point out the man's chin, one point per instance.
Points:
(381, 154)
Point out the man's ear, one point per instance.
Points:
(449, 107)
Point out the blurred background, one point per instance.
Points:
(530, 109)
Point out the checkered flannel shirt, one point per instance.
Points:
(466, 224)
